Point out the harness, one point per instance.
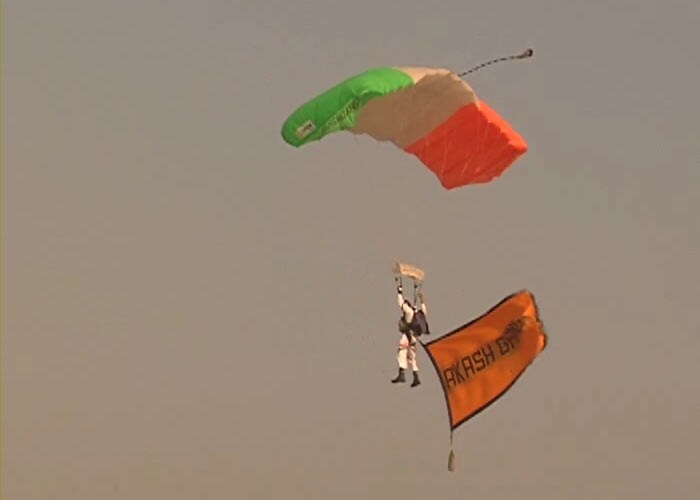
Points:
(419, 324)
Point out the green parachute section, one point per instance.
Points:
(336, 109)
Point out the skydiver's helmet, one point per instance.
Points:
(404, 327)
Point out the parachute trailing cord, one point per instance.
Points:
(451, 458)
(524, 55)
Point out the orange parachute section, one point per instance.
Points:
(479, 361)
(474, 146)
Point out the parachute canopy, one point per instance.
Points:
(428, 112)
(479, 361)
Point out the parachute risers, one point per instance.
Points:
(479, 362)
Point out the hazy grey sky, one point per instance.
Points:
(193, 309)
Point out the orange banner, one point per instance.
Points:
(479, 361)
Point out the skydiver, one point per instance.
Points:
(410, 331)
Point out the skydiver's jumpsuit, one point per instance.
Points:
(407, 342)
